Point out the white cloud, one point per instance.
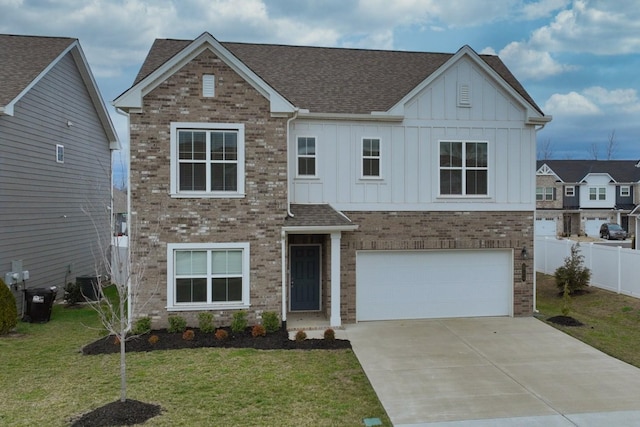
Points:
(542, 8)
(528, 63)
(624, 100)
(592, 26)
(570, 104)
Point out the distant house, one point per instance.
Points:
(575, 197)
(56, 141)
(355, 184)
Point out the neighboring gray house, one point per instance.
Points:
(353, 184)
(575, 197)
(56, 140)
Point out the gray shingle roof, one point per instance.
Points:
(23, 59)
(333, 80)
(316, 215)
(575, 170)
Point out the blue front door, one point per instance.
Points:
(305, 278)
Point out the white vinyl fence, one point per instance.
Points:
(612, 267)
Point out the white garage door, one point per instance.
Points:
(592, 226)
(545, 227)
(433, 284)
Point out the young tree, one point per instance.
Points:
(120, 262)
(545, 150)
(611, 145)
(573, 275)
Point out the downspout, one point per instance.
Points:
(129, 228)
(283, 235)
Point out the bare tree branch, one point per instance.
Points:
(594, 151)
(545, 150)
(611, 145)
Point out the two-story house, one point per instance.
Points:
(56, 140)
(575, 197)
(359, 184)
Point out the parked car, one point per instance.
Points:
(612, 231)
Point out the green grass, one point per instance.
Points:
(45, 380)
(611, 321)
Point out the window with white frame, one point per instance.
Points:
(207, 160)
(625, 191)
(464, 168)
(207, 275)
(570, 191)
(306, 155)
(59, 153)
(370, 158)
(597, 193)
(544, 193)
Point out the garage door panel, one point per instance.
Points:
(431, 284)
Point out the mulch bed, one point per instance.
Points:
(172, 341)
(565, 321)
(132, 412)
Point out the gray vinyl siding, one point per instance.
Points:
(41, 201)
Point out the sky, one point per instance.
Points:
(579, 59)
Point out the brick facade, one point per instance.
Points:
(256, 218)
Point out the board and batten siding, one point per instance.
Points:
(42, 221)
(410, 151)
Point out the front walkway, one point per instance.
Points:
(485, 372)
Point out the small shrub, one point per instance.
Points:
(153, 339)
(329, 334)
(205, 322)
(573, 275)
(258, 331)
(8, 309)
(239, 322)
(73, 293)
(301, 336)
(177, 324)
(188, 335)
(142, 326)
(270, 322)
(221, 335)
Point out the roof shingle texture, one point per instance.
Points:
(624, 171)
(23, 58)
(333, 80)
(315, 215)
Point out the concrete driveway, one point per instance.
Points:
(485, 372)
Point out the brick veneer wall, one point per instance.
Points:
(160, 219)
(442, 231)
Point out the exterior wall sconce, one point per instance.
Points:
(524, 253)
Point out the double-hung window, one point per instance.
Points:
(371, 158)
(306, 156)
(207, 160)
(464, 168)
(544, 193)
(625, 191)
(207, 275)
(597, 193)
(570, 191)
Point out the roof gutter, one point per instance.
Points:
(539, 121)
(373, 116)
(292, 118)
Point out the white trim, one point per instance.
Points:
(315, 157)
(59, 153)
(246, 279)
(175, 193)
(628, 190)
(335, 318)
(463, 168)
(378, 157)
(573, 191)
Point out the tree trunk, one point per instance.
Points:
(123, 359)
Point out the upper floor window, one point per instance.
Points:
(306, 153)
(370, 158)
(625, 191)
(207, 160)
(59, 153)
(544, 193)
(463, 168)
(597, 193)
(570, 191)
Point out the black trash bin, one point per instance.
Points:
(39, 304)
(89, 287)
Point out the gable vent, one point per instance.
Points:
(208, 85)
(464, 95)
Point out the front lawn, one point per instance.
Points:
(45, 380)
(611, 321)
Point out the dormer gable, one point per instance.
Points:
(545, 170)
